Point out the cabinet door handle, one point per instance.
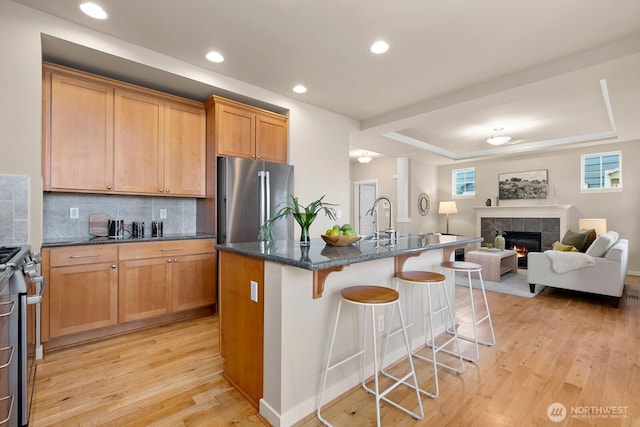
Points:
(166, 191)
(161, 190)
(169, 260)
(85, 256)
(113, 266)
(175, 260)
(108, 187)
(170, 249)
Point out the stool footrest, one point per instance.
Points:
(345, 360)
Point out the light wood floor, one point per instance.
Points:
(558, 347)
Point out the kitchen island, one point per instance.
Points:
(277, 306)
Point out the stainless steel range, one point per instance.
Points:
(18, 345)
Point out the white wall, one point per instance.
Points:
(317, 137)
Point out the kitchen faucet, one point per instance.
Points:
(389, 231)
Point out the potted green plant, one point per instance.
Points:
(304, 216)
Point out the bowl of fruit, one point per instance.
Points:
(340, 235)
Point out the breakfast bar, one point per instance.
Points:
(278, 302)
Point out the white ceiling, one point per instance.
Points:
(549, 72)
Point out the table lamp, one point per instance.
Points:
(447, 208)
(598, 224)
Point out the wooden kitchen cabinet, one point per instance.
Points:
(105, 136)
(77, 134)
(95, 291)
(242, 323)
(249, 132)
(83, 288)
(138, 143)
(144, 289)
(185, 160)
(158, 278)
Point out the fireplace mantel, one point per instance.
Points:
(565, 213)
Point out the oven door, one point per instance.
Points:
(30, 330)
(9, 355)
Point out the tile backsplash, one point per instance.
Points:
(14, 209)
(181, 213)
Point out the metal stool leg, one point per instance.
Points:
(475, 321)
(376, 391)
(430, 340)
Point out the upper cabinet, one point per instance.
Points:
(109, 137)
(245, 131)
(77, 134)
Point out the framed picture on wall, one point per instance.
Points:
(523, 185)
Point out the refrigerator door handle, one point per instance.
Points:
(263, 197)
(267, 185)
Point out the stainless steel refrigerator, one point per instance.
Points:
(249, 193)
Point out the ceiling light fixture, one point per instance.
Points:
(365, 158)
(214, 56)
(379, 47)
(498, 138)
(299, 89)
(93, 10)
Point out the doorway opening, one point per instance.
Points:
(364, 195)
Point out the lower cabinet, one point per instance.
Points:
(191, 278)
(83, 289)
(96, 286)
(157, 286)
(144, 289)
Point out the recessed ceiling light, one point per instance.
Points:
(299, 89)
(379, 47)
(93, 10)
(214, 56)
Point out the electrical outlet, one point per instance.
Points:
(74, 213)
(381, 323)
(338, 214)
(254, 291)
(163, 214)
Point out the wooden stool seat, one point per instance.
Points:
(370, 294)
(420, 276)
(461, 266)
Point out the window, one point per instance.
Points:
(464, 182)
(602, 171)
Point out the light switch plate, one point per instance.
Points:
(163, 214)
(74, 213)
(254, 291)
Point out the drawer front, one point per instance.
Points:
(166, 248)
(78, 255)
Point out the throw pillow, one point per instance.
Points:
(591, 237)
(557, 246)
(576, 239)
(602, 244)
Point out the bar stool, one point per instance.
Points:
(433, 282)
(371, 296)
(468, 268)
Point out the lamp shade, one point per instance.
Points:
(598, 224)
(447, 207)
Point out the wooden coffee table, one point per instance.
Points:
(494, 262)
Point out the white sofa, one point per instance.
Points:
(605, 277)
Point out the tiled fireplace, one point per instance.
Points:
(550, 221)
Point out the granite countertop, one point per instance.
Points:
(105, 240)
(320, 256)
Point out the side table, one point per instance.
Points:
(494, 262)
